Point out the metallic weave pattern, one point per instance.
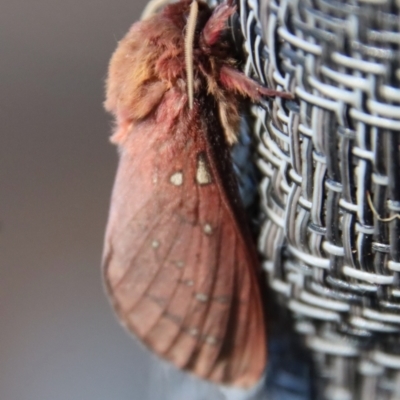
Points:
(331, 187)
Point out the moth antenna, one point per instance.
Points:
(189, 39)
(153, 7)
(389, 219)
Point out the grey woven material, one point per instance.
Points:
(331, 188)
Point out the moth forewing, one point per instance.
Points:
(179, 265)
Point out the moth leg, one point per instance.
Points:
(236, 81)
(229, 117)
(216, 24)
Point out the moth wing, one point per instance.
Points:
(177, 268)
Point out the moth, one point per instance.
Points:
(179, 264)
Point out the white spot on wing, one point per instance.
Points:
(193, 331)
(176, 178)
(203, 175)
(208, 230)
(211, 340)
(179, 264)
(201, 297)
(155, 244)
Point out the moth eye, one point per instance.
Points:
(176, 178)
(203, 175)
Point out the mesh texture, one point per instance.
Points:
(331, 188)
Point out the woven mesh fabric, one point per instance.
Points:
(331, 189)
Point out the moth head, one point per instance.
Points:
(186, 48)
(208, 51)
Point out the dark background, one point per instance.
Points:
(59, 339)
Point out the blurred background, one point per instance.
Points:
(59, 339)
